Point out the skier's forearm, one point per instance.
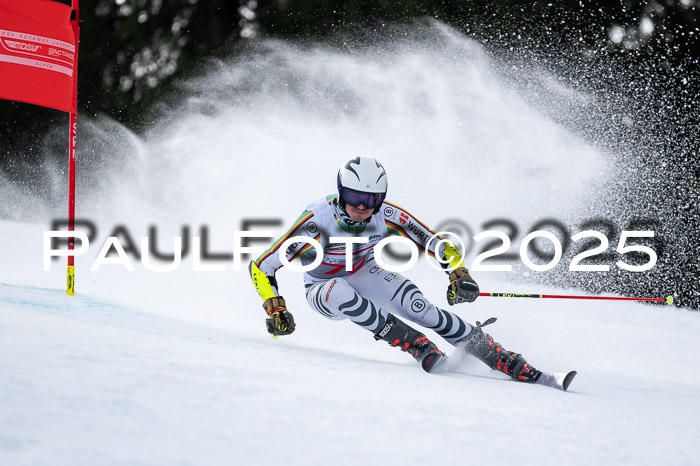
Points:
(262, 282)
(453, 255)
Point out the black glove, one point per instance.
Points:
(281, 321)
(462, 287)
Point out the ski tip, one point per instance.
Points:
(567, 380)
(669, 300)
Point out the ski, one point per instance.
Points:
(559, 380)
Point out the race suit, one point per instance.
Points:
(367, 293)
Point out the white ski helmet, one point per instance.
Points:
(362, 181)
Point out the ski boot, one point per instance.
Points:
(482, 346)
(397, 333)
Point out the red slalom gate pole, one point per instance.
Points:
(72, 149)
(668, 300)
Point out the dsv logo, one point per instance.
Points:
(22, 46)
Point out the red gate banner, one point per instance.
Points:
(37, 53)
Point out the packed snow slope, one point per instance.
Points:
(175, 367)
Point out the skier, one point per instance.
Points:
(369, 295)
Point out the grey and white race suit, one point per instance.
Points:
(366, 293)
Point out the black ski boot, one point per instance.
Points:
(482, 346)
(397, 333)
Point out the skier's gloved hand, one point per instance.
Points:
(462, 287)
(281, 321)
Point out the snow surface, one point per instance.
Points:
(145, 368)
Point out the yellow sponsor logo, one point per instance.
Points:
(70, 284)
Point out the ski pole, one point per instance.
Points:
(668, 300)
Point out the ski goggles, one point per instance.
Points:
(358, 198)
